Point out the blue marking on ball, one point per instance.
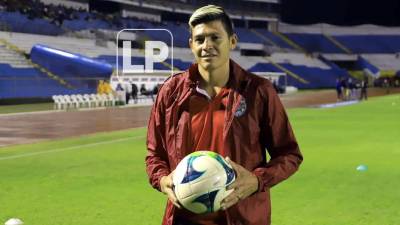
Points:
(191, 173)
(207, 200)
(230, 173)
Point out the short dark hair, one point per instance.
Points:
(210, 13)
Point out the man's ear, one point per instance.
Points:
(233, 41)
(190, 43)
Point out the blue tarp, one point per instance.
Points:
(69, 65)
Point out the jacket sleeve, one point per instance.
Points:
(277, 136)
(157, 164)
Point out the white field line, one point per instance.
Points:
(76, 147)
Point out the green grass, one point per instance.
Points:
(328, 190)
(5, 109)
(95, 184)
(102, 179)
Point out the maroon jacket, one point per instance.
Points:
(255, 120)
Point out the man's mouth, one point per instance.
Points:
(208, 56)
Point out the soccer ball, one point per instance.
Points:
(200, 181)
(14, 221)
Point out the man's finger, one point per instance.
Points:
(229, 201)
(176, 204)
(172, 197)
(230, 196)
(233, 185)
(229, 160)
(235, 166)
(169, 183)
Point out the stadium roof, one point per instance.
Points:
(341, 12)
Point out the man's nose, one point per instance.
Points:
(208, 43)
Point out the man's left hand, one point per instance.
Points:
(246, 183)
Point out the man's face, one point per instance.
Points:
(211, 44)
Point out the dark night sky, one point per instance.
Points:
(341, 12)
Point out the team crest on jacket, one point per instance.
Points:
(241, 109)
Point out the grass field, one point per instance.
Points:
(5, 109)
(100, 179)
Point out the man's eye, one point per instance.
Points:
(199, 40)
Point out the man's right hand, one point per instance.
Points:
(166, 185)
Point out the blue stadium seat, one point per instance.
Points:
(314, 43)
(371, 43)
(317, 77)
(20, 23)
(274, 38)
(31, 83)
(246, 36)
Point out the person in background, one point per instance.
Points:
(339, 90)
(397, 83)
(345, 89)
(364, 86)
(143, 90)
(351, 87)
(120, 91)
(128, 91)
(386, 85)
(100, 87)
(134, 92)
(107, 88)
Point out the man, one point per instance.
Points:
(134, 92)
(120, 92)
(100, 87)
(107, 88)
(128, 90)
(351, 88)
(364, 87)
(339, 89)
(216, 105)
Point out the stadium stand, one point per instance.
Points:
(365, 65)
(81, 72)
(384, 61)
(20, 78)
(312, 56)
(371, 43)
(248, 37)
(18, 22)
(277, 40)
(315, 43)
(81, 46)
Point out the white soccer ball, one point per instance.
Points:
(14, 221)
(200, 181)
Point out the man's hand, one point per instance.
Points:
(166, 188)
(246, 183)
